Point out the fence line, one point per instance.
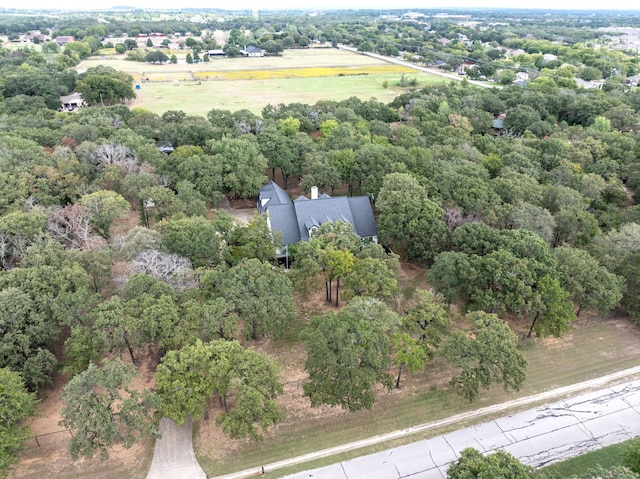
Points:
(38, 437)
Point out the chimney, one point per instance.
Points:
(314, 192)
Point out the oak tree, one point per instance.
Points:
(102, 409)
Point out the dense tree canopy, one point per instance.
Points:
(532, 221)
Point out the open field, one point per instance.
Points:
(254, 95)
(312, 57)
(301, 72)
(305, 76)
(590, 350)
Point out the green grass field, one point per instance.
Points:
(312, 57)
(606, 457)
(254, 95)
(172, 86)
(589, 351)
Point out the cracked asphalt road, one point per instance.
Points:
(537, 437)
(591, 410)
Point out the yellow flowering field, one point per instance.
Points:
(310, 72)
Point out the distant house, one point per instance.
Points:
(498, 122)
(588, 85)
(63, 40)
(298, 219)
(31, 36)
(71, 102)
(215, 53)
(252, 51)
(632, 81)
(549, 57)
(166, 148)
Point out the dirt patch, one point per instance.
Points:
(47, 451)
(125, 224)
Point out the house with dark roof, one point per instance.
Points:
(298, 219)
(252, 51)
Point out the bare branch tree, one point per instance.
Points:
(244, 127)
(454, 218)
(71, 226)
(260, 126)
(5, 250)
(115, 154)
(170, 268)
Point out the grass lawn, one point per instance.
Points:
(305, 76)
(590, 350)
(606, 457)
(312, 57)
(254, 95)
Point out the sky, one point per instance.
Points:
(337, 4)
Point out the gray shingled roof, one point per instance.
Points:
(294, 219)
(274, 194)
(253, 49)
(283, 218)
(365, 222)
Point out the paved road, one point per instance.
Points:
(432, 71)
(173, 456)
(537, 437)
(474, 415)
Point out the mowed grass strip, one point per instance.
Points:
(607, 457)
(302, 72)
(588, 351)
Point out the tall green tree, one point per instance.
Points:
(193, 238)
(555, 312)
(409, 220)
(256, 240)
(591, 286)
(340, 263)
(104, 208)
(472, 464)
(16, 404)
(372, 277)
(421, 333)
(486, 354)
(260, 295)
(105, 86)
(349, 353)
(242, 165)
(187, 379)
(102, 409)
